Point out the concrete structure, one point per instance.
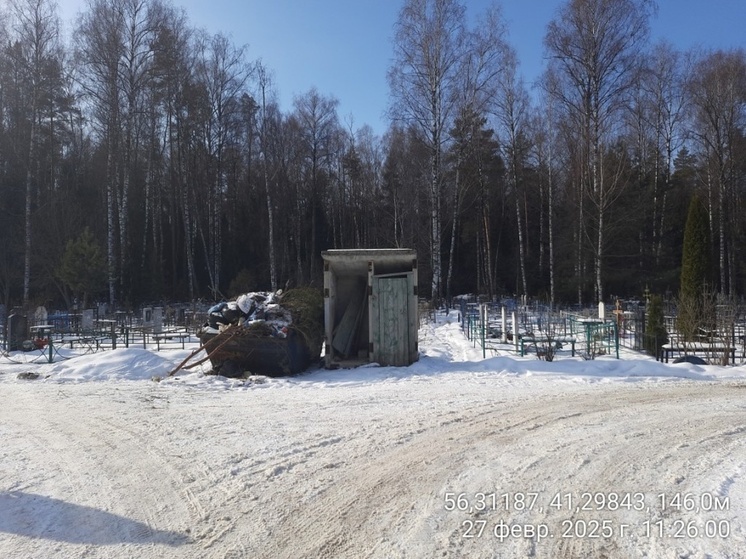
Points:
(370, 307)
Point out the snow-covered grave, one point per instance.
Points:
(105, 456)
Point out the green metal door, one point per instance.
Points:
(391, 313)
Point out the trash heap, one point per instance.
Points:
(271, 333)
(266, 316)
(267, 313)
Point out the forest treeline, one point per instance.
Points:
(145, 159)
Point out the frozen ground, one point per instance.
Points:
(454, 456)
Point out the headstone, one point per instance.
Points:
(157, 320)
(181, 316)
(40, 315)
(147, 317)
(86, 320)
(17, 331)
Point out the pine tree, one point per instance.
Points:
(83, 267)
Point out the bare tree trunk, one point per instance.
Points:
(271, 231)
(656, 195)
(454, 225)
(521, 250)
(542, 232)
(550, 215)
(435, 240)
(147, 210)
(189, 242)
(183, 200)
(396, 223)
(111, 223)
(189, 234)
(425, 77)
(38, 31)
(664, 199)
(710, 209)
(596, 46)
(599, 191)
(489, 268)
(270, 208)
(123, 209)
(579, 275)
(599, 256)
(721, 235)
(27, 209)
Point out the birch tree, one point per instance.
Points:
(665, 86)
(319, 128)
(595, 46)
(141, 20)
(100, 44)
(486, 60)
(477, 167)
(718, 94)
(429, 40)
(37, 33)
(545, 146)
(223, 74)
(173, 61)
(269, 175)
(511, 111)
(402, 176)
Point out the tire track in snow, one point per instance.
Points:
(375, 487)
(114, 475)
(376, 508)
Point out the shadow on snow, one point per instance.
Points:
(37, 516)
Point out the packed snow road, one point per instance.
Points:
(441, 459)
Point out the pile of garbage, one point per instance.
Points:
(258, 310)
(269, 333)
(268, 313)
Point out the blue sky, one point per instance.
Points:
(343, 47)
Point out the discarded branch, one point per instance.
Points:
(227, 333)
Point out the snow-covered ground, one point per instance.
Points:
(454, 456)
